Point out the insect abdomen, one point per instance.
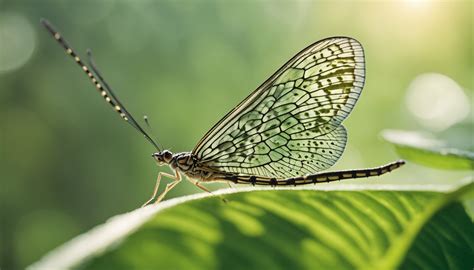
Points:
(349, 174)
(321, 177)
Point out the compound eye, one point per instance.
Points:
(167, 155)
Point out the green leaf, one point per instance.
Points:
(322, 227)
(427, 151)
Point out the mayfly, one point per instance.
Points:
(284, 133)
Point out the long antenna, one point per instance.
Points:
(102, 86)
(128, 115)
(145, 119)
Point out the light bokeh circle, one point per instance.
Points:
(18, 41)
(437, 101)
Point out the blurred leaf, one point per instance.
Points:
(425, 150)
(459, 135)
(324, 228)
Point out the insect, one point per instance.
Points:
(284, 133)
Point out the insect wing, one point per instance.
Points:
(291, 124)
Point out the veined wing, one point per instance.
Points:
(291, 124)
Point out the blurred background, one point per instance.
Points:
(69, 163)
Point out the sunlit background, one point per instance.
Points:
(67, 160)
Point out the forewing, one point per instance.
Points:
(291, 125)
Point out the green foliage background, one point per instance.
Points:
(68, 163)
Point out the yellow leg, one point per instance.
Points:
(157, 185)
(198, 184)
(169, 186)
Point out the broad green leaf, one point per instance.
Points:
(424, 150)
(324, 227)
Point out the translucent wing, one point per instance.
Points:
(291, 125)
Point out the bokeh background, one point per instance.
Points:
(67, 160)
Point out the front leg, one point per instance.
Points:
(176, 177)
(169, 187)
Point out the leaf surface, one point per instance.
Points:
(321, 227)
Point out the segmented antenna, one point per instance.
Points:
(101, 85)
(145, 119)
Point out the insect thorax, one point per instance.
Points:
(182, 161)
(188, 164)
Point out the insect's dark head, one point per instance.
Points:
(163, 157)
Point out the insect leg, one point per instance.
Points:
(169, 186)
(202, 187)
(198, 184)
(157, 185)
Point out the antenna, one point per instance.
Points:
(96, 78)
(145, 118)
